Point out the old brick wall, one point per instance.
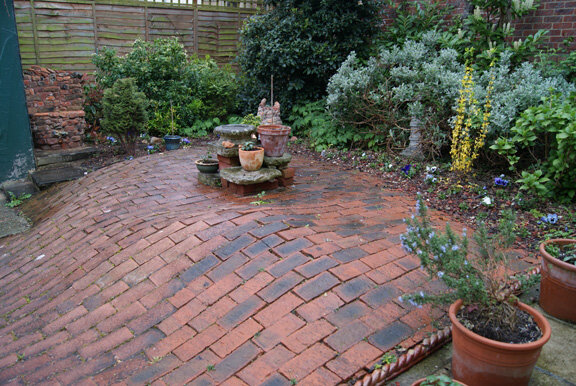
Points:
(557, 16)
(55, 100)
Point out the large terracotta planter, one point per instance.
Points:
(478, 361)
(558, 283)
(422, 380)
(251, 160)
(274, 139)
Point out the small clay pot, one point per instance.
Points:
(558, 283)
(251, 160)
(479, 361)
(207, 166)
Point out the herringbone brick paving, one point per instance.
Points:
(137, 274)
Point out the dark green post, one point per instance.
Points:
(16, 151)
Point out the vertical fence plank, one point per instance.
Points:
(34, 32)
(95, 26)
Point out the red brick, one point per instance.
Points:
(321, 376)
(45, 344)
(106, 344)
(350, 270)
(376, 260)
(235, 338)
(234, 362)
(138, 344)
(129, 252)
(198, 343)
(180, 250)
(64, 320)
(91, 319)
(320, 307)
(151, 318)
(93, 366)
(280, 286)
(165, 232)
(295, 233)
(321, 249)
(169, 271)
(302, 365)
(274, 334)
(212, 314)
(385, 273)
(308, 335)
(257, 371)
(348, 363)
(201, 251)
(158, 248)
(250, 287)
(121, 318)
(219, 289)
(133, 294)
(121, 371)
(276, 310)
(161, 293)
(191, 369)
(233, 382)
(241, 312)
(72, 345)
(169, 343)
(383, 315)
(144, 271)
(117, 273)
(155, 371)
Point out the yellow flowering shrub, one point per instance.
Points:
(471, 123)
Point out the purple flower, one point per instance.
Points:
(406, 169)
(500, 181)
(150, 147)
(185, 140)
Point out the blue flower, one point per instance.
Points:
(550, 218)
(500, 181)
(111, 139)
(406, 169)
(185, 140)
(440, 274)
(455, 247)
(150, 147)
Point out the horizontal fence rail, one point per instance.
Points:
(64, 34)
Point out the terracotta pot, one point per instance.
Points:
(251, 160)
(274, 139)
(558, 283)
(479, 361)
(207, 166)
(418, 382)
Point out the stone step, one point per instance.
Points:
(43, 178)
(59, 157)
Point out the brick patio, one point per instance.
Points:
(139, 275)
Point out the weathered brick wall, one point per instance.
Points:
(557, 16)
(55, 100)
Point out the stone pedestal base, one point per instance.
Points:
(246, 190)
(242, 182)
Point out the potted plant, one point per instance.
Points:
(207, 164)
(172, 140)
(496, 338)
(274, 139)
(558, 283)
(437, 380)
(124, 113)
(251, 156)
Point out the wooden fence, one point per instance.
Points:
(63, 34)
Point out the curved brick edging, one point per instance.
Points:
(420, 351)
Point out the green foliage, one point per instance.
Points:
(14, 201)
(124, 112)
(302, 43)
(248, 146)
(197, 89)
(542, 148)
(413, 19)
(475, 280)
(250, 119)
(312, 120)
(565, 253)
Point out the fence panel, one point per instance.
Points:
(63, 34)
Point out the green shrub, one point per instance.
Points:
(541, 147)
(376, 100)
(124, 113)
(197, 89)
(302, 43)
(312, 120)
